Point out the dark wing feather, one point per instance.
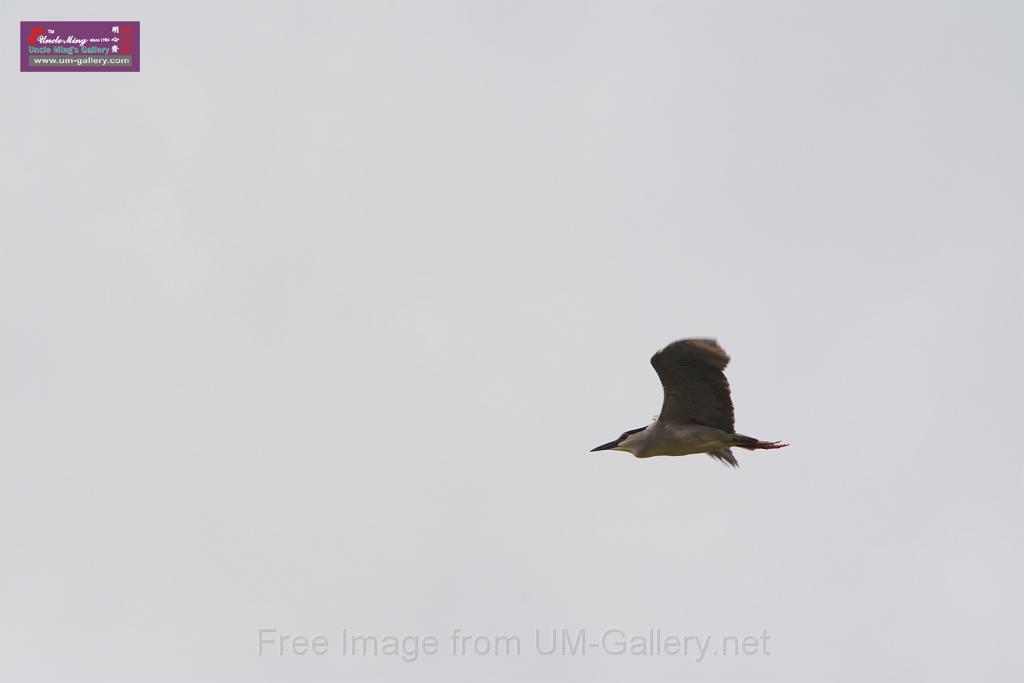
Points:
(696, 390)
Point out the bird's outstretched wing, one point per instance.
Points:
(696, 390)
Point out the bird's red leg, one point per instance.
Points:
(752, 444)
(766, 445)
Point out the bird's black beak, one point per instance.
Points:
(605, 446)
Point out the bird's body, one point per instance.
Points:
(696, 414)
(670, 439)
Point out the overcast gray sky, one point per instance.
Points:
(311, 324)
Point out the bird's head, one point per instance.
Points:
(630, 441)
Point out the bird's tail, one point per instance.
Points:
(752, 444)
(724, 455)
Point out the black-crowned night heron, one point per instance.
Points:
(696, 415)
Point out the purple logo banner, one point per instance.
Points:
(79, 46)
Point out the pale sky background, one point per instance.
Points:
(311, 324)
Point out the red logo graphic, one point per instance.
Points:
(36, 32)
(126, 34)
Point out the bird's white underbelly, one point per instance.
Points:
(687, 439)
(686, 449)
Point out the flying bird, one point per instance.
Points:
(696, 414)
